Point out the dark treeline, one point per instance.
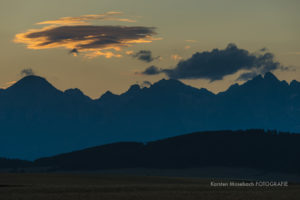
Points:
(6, 163)
(257, 149)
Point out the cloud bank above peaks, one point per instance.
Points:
(78, 36)
(218, 63)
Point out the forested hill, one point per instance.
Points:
(256, 149)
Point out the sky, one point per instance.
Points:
(100, 45)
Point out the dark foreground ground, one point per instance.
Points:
(87, 186)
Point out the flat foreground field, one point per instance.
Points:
(87, 186)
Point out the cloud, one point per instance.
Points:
(143, 55)
(27, 72)
(176, 57)
(217, 64)
(91, 40)
(129, 52)
(74, 52)
(84, 19)
(107, 54)
(293, 53)
(152, 70)
(263, 49)
(247, 75)
(191, 41)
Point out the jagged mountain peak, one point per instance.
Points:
(107, 95)
(76, 93)
(168, 83)
(295, 83)
(260, 83)
(73, 92)
(173, 86)
(134, 89)
(270, 77)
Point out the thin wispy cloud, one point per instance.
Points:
(76, 35)
(107, 54)
(191, 41)
(293, 53)
(85, 19)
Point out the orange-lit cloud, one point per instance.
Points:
(129, 52)
(176, 57)
(187, 47)
(191, 41)
(72, 33)
(107, 54)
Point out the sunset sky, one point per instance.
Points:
(100, 45)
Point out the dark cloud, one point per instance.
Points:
(96, 40)
(217, 64)
(74, 52)
(263, 49)
(152, 70)
(27, 72)
(144, 55)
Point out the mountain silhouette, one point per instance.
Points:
(31, 84)
(32, 88)
(39, 120)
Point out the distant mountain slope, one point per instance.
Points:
(256, 149)
(36, 119)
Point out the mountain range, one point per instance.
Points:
(36, 119)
